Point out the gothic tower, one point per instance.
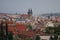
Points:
(30, 12)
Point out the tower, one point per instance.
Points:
(29, 12)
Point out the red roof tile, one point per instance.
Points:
(10, 28)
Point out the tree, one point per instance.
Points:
(1, 31)
(57, 30)
(51, 38)
(55, 37)
(50, 30)
(30, 26)
(53, 30)
(37, 37)
(10, 36)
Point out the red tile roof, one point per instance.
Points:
(10, 28)
(21, 27)
(24, 14)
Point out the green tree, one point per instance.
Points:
(30, 26)
(37, 37)
(1, 31)
(53, 30)
(6, 29)
(57, 30)
(49, 30)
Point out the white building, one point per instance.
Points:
(49, 24)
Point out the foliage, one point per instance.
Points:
(48, 29)
(37, 37)
(57, 30)
(1, 33)
(30, 26)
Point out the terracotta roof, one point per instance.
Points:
(24, 14)
(29, 34)
(21, 27)
(10, 28)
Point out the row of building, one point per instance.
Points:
(22, 20)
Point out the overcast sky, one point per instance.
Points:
(22, 6)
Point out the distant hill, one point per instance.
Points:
(51, 14)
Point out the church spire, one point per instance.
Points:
(30, 12)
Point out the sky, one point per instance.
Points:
(37, 6)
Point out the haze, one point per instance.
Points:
(22, 6)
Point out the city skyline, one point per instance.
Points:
(22, 6)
